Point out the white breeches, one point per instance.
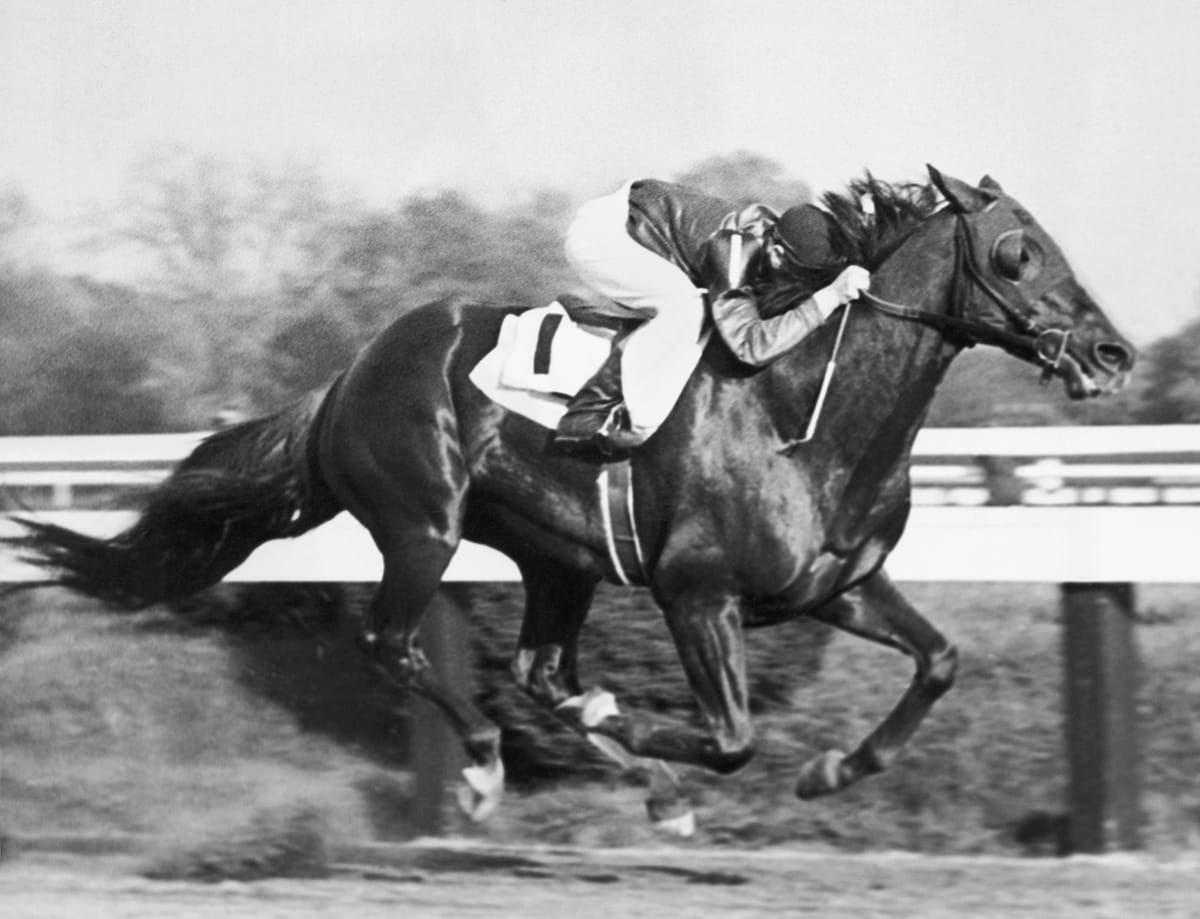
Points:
(660, 356)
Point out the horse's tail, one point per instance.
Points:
(240, 487)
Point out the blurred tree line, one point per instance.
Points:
(247, 288)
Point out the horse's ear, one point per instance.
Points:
(987, 183)
(962, 197)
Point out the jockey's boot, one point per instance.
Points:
(597, 421)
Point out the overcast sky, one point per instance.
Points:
(1088, 112)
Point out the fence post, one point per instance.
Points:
(436, 753)
(1101, 684)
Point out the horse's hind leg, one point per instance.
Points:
(412, 571)
(557, 600)
(875, 610)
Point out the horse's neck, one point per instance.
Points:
(888, 368)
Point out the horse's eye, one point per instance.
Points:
(1015, 257)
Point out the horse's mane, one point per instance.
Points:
(899, 208)
(858, 239)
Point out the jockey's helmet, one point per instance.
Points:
(803, 237)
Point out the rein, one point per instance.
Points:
(972, 331)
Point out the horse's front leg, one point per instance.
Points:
(875, 610)
(707, 630)
(557, 600)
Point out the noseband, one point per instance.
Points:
(1043, 346)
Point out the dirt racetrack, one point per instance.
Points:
(441, 881)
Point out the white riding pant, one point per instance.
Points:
(660, 355)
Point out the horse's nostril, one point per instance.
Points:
(1112, 356)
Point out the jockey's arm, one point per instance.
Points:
(757, 341)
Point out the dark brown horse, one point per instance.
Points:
(742, 525)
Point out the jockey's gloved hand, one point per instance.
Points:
(848, 285)
(727, 263)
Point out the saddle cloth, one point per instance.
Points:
(541, 359)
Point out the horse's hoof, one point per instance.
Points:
(821, 775)
(683, 826)
(671, 814)
(480, 794)
(594, 706)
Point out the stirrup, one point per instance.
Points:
(618, 430)
(609, 439)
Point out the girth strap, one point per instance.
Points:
(620, 529)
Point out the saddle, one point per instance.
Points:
(545, 355)
(615, 317)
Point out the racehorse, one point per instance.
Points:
(743, 523)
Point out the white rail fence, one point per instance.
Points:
(1118, 465)
(1095, 510)
(1098, 504)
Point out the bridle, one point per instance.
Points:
(1044, 346)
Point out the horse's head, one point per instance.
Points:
(1012, 278)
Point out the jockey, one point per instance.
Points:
(665, 247)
